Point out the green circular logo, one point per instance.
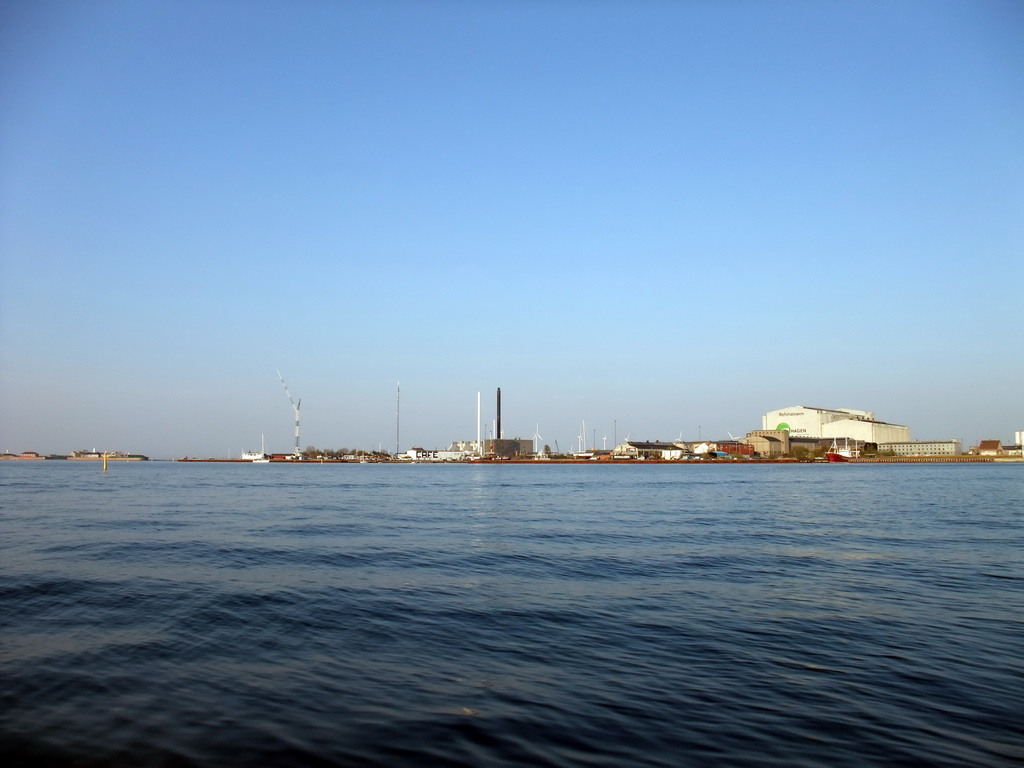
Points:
(784, 426)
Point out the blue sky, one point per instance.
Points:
(657, 217)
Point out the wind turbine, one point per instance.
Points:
(536, 437)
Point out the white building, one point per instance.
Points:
(805, 421)
(925, 448)
(637, 449)
(419, 454)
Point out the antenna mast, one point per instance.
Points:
(398, 416)
(297, 407)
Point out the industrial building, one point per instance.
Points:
(772, 443)
(924, 448)
(769, 442)
(804, 421)
(506, 448)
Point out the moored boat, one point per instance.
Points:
(256, 458)
(837, 455)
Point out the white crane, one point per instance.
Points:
(297, 407)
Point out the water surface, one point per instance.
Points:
(511, 615)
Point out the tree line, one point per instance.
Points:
(312, 452)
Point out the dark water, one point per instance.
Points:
(363, 615)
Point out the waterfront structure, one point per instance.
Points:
(988, 448)
(772, 443)
(421, 454)
(821, 423)
(106, 456)
(730, 447)
(507, 448)
(924, 448)
(640, 449)
(996, 448)
(468, 447)
(768, 442)
(78, 456)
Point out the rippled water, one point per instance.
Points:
(508, 615)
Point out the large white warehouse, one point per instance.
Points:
(804, 421)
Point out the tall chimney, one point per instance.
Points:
(497, 429)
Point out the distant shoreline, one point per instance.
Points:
(541, 462)
(101, 457)
(646, 462)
